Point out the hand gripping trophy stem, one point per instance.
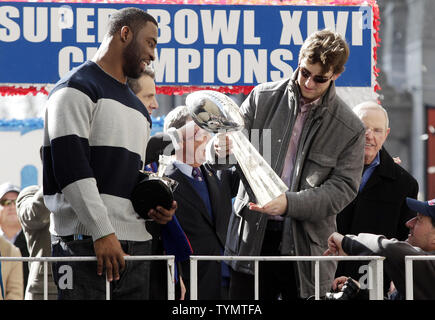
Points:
(215, 112)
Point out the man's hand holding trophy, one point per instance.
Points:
(217, 113)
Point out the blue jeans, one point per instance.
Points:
(79, 280)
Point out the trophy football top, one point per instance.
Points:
(214, 111)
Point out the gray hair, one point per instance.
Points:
(176, 118)
(373, 106)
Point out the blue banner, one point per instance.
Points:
(198, 45)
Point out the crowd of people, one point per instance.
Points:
(346, 195)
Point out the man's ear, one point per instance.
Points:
(125, 33)
(387, 133)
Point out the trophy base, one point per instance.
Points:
(150, 192)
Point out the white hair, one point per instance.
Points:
(367, 105)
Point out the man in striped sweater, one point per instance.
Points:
(95, 139)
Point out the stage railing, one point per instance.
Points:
(46, 260)
(409, 282)
(375, 275)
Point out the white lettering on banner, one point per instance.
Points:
(188, 59)
(186, 33)
(208, 66)
(290, 27)
(70, 54)
(220, 26)
(312, 22)
(163, 19)
(11, 30)
(216, 24)
(218, 45)
(228, 65)
(164, 65)
(357, 26)
(249, 28)
(83, 25)
(339, 26)
(103, 19)
(29, 17)
(277, 58)
(61, 18)
(253, 65)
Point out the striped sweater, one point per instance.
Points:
(95, 137)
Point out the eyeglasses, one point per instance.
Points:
(7, 202)
(376, 131)
(318, 79)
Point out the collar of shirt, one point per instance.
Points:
(305, 106)
(11, 240)
(376, 161)
(184, 168)
(369, 170)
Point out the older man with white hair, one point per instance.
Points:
(380, 206)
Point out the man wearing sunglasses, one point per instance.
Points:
(317, 147)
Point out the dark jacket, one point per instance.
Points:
(326, 176)
(395, 252)
(207, 236)
(379, 208)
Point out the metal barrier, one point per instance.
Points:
(409, 287)
(376, 276)
(46, 260)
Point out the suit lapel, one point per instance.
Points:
(187, 192)
(384, 170)
(213, 186)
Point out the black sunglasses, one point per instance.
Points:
(318, 79)
(7, 202)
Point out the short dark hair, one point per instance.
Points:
(177, 118)
(327, 48)
(132, 17)
(134, 83)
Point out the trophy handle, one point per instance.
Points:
(264, 183)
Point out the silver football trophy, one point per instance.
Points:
(215, 112)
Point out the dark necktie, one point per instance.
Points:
(197, 174)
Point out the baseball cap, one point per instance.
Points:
(426, 208)
(8, 187)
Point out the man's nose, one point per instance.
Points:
(369, 132)
(309, 83)
(411, 222)
(152, 54)
(155, 104)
